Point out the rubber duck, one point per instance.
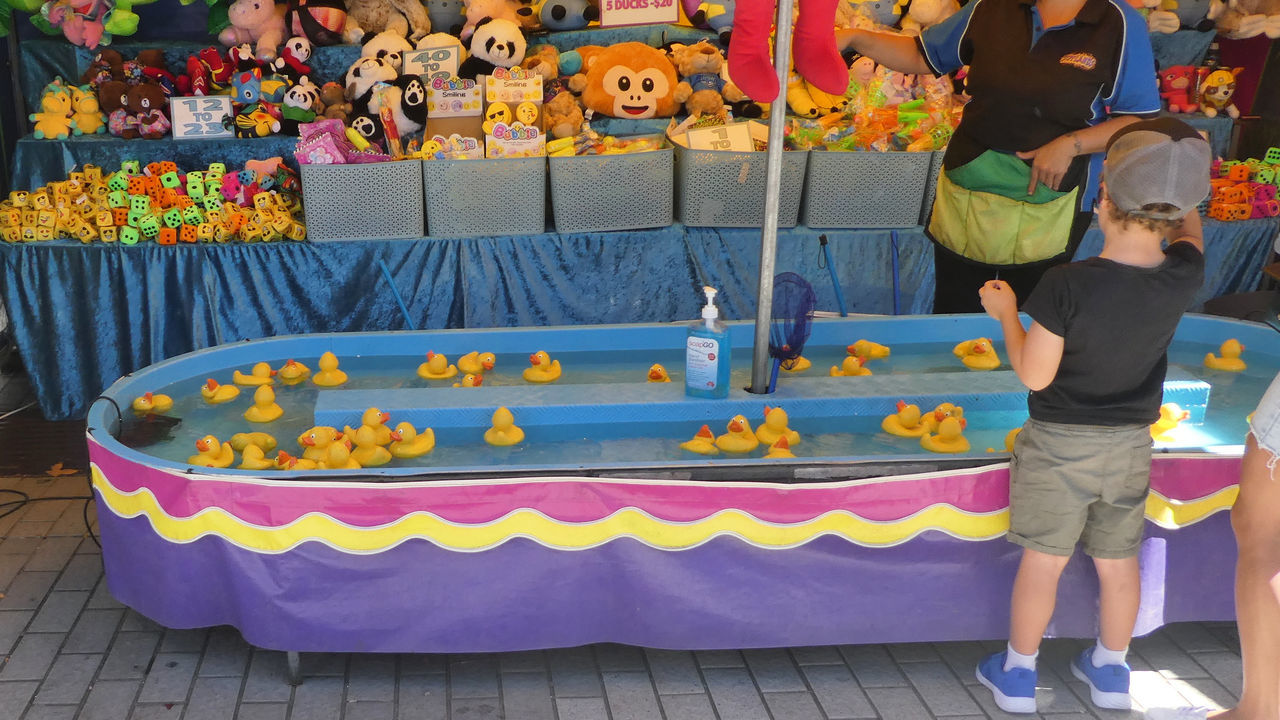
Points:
(703, 443)
(265, 409)
(152, 403)
(797, 364)
(265, 442)
(436, 367)
(942, 412)
(470, 380)
(376, 419)
(477, 363)
(410, 442)
(215, 394)
(316, 441)
(1230, 360)
(338, 457)
(868, 350)
(739, 438)
(978, 354)
(367, 452)
(329, 375)
(285, 461)
(293, 372)
(906, 422)
(253, 458)
(658, 374)
(262, 374)
(775, 426)
(851, 366)
(542, 368)
(211, 453)
(504, 432)
(780, 449)
(1170, 415)
(949, 438)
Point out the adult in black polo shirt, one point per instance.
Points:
(1051, 81)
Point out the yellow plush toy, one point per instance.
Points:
(53, 122)
(87, 117)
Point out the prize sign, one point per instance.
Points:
(638, 12)
(200, 117)
(432, 63)
(734, 138)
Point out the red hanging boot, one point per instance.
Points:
(750, 63)
(813, 47)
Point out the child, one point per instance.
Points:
(1094, 359)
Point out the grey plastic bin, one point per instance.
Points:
(597, 193)
(931, 186)
(715, 188)
(368, 200)
(864, 189)
(498, 196)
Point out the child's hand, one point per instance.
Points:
(998, 299)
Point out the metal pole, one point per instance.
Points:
(772, 197)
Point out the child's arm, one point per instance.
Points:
(1189, 231)
(1034, 354)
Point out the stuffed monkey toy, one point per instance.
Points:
(813, 48)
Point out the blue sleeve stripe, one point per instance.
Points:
(1124, 55)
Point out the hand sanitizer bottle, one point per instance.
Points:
(706, 357)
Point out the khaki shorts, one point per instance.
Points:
(1079, 483)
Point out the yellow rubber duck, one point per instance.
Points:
(796, 365)
(470, 380)
(338, 457)
(293, 372)
(739, 438)
(285, 461)
(477, 363)
(152, 403)
(851, 366)
(775, 426)
(211, 453)
(1230, 360)
(504, 431)
(329, 375)
(376, 419)
(703, 443)
(658, 374)
(262, 374)
(316, 441)
(436, 367)
(265, 442)
(978, 354)
(1170, 415)
(868, 350)
(253, 458)
(215, 394)
(949, 438)
(409, 443)
(367, 452)
(907, 422)
(779, 449)
(264, 409)
(542, 368)
(940, 413)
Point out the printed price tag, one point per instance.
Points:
(432, 63)
(200, 117)
(637, 12)
(734, 138)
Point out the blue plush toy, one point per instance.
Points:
(246, 87)
(717, 15)
(567, 14)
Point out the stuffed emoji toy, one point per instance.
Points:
(87, 118)
(1178, 88)
(628, 80)
(700, 67)
(1216, 90)
(255, 21)
(53, 122)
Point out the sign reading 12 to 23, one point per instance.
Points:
(637, 12)
(200, 117)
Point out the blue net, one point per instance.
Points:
(793, 303)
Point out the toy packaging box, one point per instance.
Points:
(513, 114)
(454, 118)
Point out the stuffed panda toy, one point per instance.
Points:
(363, 74)
(292, 62)
(299, 106)
(494, 44)
(408, 99)
(389, 47)
(369, 127)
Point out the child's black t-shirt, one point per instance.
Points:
(1116, 322)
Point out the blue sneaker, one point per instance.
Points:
(1014, 691)
(1108, 685)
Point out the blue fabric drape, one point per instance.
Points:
(1185, 47)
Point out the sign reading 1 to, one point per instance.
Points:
(637, 12)
(432, 63)
(200, 117)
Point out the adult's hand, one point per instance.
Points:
(1050, 161)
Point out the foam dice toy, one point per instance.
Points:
(192, 215)
(119, 216)
(187, 234)
(212, 186)
(216, 169)
(171, 180)
(297, 231)
(149, 226)
(1266, 175)
(167, 236)
(153, 169)
(108, 234)
(137, 185)
(173, 218)
(1263, 208)
(1272, 156)
(206, 231)
(213, 203)
(103, 218)
(195, 185)
(12, 234)
(118, 181)
(140, 203)
(131, 167)
(117, 199)
(1238, 172)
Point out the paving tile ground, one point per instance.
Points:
(68, 651)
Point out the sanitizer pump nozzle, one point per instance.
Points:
(710, 312)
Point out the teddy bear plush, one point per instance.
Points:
(1216, 89)
(699, 66)
(406, 18)
(1246, 18)
(255, 21)
(108, 64)
(926, 13)
(544, 60)
(334, 101)
(1178, 88)
(53, 122)
(145, 105)
(112, 96)
(628, 80)
(562, 116)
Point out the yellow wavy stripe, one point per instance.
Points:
(1173, 514)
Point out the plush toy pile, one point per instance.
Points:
(158, 203)
(1241, 190)
(1187, 89)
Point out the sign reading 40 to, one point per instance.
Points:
(638, 12)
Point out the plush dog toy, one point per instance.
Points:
(1216, 90)
(628, 80)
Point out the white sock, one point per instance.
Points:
(1014, 659)
(1102, 656)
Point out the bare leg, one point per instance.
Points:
(1119, 582)
(1035, 592)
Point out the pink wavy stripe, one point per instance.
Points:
(1189, 479)
(376, 504)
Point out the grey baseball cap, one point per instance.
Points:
(1161, 161)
